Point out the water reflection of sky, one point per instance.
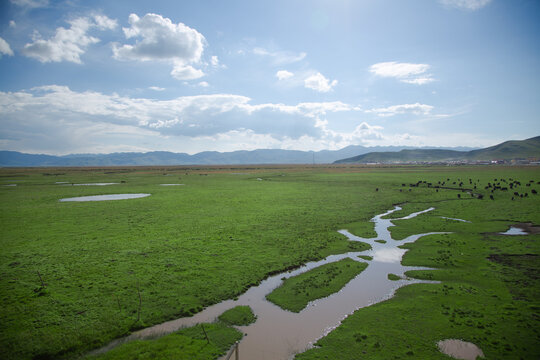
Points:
(391, 255)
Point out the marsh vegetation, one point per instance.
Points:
(77, 275)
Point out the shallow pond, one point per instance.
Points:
(460, 349)
(514, 231)
(94, 184)
(449, 218)
(105, 197)
(280, 334)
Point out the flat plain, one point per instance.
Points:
(77, 275)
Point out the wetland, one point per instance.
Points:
(75, 277)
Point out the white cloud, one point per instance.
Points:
(156, 88)
(182, 71)
(416, 109)
(57, 113)
(404, 72)
(12, 24)
(31, 4)
(466, 4)
(5, 49)
(284, 74)
(319, 83)
(158, 38)
(203, 84)
(68, 44)
(280, 57)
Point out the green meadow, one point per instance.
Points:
(76, 275)
(296, 292)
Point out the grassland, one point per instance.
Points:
(76, 275)
(238, 315)
(489, 283)
(296, 292)
(201, 342)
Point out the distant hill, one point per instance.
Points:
(509, 150)
(263, 156)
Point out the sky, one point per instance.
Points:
(189, 76)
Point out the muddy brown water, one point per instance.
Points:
(280, 334)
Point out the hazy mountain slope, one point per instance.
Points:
(515, 149)
(262, 156)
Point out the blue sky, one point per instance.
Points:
(189, 76)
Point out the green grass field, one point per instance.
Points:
(296, 292)
(77, 275)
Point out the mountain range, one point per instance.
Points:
(506, 151)
(263, 156)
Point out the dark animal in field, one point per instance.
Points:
(516, 193)
(533, 191)
(526, 194)
(491, 197)
(459, 196)
(437, 190)
(480, 196)
(376, 189)
(520, 195)
(528, 184)
(512, 198)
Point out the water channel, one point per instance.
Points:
(280, 334)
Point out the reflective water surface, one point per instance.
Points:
(105, 197)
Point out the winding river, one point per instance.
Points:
(280, 334)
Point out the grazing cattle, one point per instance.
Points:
(376, 189)
(533, 191)
(491, 197)
(459, 196)
(512, 198)
(480, 196)
(516, 193)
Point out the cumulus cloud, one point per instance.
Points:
(31, 4)
(319, 83)
(404, 72)
(416, 109)
(466, 4)
(284, 74)
(182, 71)
(280, 57)
(203, 84)
(68, 44)
(158, 38)
(5, 49)
(216, 117)
(156, 88)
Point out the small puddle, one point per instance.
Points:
(514, 231)
(460, 349)
(94, 184)
(449, 218)
(280, 334)
(105, 197)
